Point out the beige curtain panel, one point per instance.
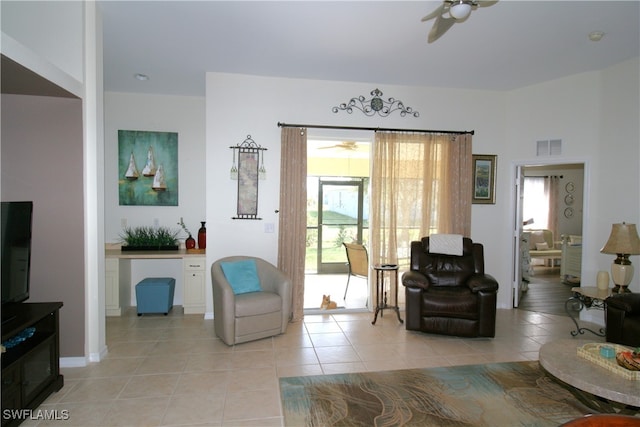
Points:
(293, 213)
(421, 184)
(552, 188)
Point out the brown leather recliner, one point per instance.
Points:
(623, 319)
(449, 294)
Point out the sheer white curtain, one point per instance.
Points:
(536, 202)
(541, 202)
(552, 188)
(421, 184)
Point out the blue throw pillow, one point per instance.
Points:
(242, 276)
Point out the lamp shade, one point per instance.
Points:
(623, 240)
(460, 9)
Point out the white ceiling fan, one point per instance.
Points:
(450, 12)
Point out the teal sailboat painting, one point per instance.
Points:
(156, 184)
(132, 170)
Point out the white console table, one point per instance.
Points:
(118, 278)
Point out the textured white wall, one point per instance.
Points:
(42, 161)
(576, 109)
(53, 30)
(238, 105)
(61, 42)
(184, 115)
(596, 116)
(573, 109)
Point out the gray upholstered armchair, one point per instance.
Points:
(255, 314)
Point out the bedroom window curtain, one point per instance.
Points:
(421, 184)
(292, 227)
(552, 189)
(541, 196)
(536, 203)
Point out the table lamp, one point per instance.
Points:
(623, 241)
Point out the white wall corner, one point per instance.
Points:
(73, 362)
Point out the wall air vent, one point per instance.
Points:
(549, 147)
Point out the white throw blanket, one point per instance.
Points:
(447, 244)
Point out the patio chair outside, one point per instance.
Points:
(358, 261)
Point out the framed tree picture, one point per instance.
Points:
(484, 179)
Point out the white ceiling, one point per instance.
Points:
(505, 46)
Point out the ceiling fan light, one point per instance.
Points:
(460, 10)
(596, 36)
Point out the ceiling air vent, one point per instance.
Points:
(549, 147)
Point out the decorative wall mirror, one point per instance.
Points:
(248, 172)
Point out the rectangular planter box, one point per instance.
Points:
(149, 248)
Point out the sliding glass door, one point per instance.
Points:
(341, 215)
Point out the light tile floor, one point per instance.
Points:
(173, 371)
(334, 285)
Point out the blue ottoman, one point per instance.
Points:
(155, 295)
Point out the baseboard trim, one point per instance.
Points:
(73, 362)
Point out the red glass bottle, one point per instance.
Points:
(202, 236)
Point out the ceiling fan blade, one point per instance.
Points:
(439, 11)
(440, 27)
(345, 145)
(486, 3)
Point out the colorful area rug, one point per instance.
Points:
(499, 394)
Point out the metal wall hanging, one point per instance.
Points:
(249, 170)
(376, 105)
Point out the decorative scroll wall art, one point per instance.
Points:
(248, 172)
(147, 168)
(376, 105)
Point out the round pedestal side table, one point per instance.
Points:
(386, 297)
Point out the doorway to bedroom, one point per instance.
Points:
(550, 222)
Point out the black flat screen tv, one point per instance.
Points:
(16, 251)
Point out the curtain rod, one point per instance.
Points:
(376, 129)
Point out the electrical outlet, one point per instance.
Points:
(269, 227)
(156, 222)
(123, 222)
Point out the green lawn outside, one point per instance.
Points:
(334, 236)
(331, 217)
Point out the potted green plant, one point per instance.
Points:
(189, 242)
(149, 238)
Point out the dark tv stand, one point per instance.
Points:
(7, 319)
(31, 369)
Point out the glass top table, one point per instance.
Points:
(586, 297)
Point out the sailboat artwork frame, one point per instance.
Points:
(147, 168)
